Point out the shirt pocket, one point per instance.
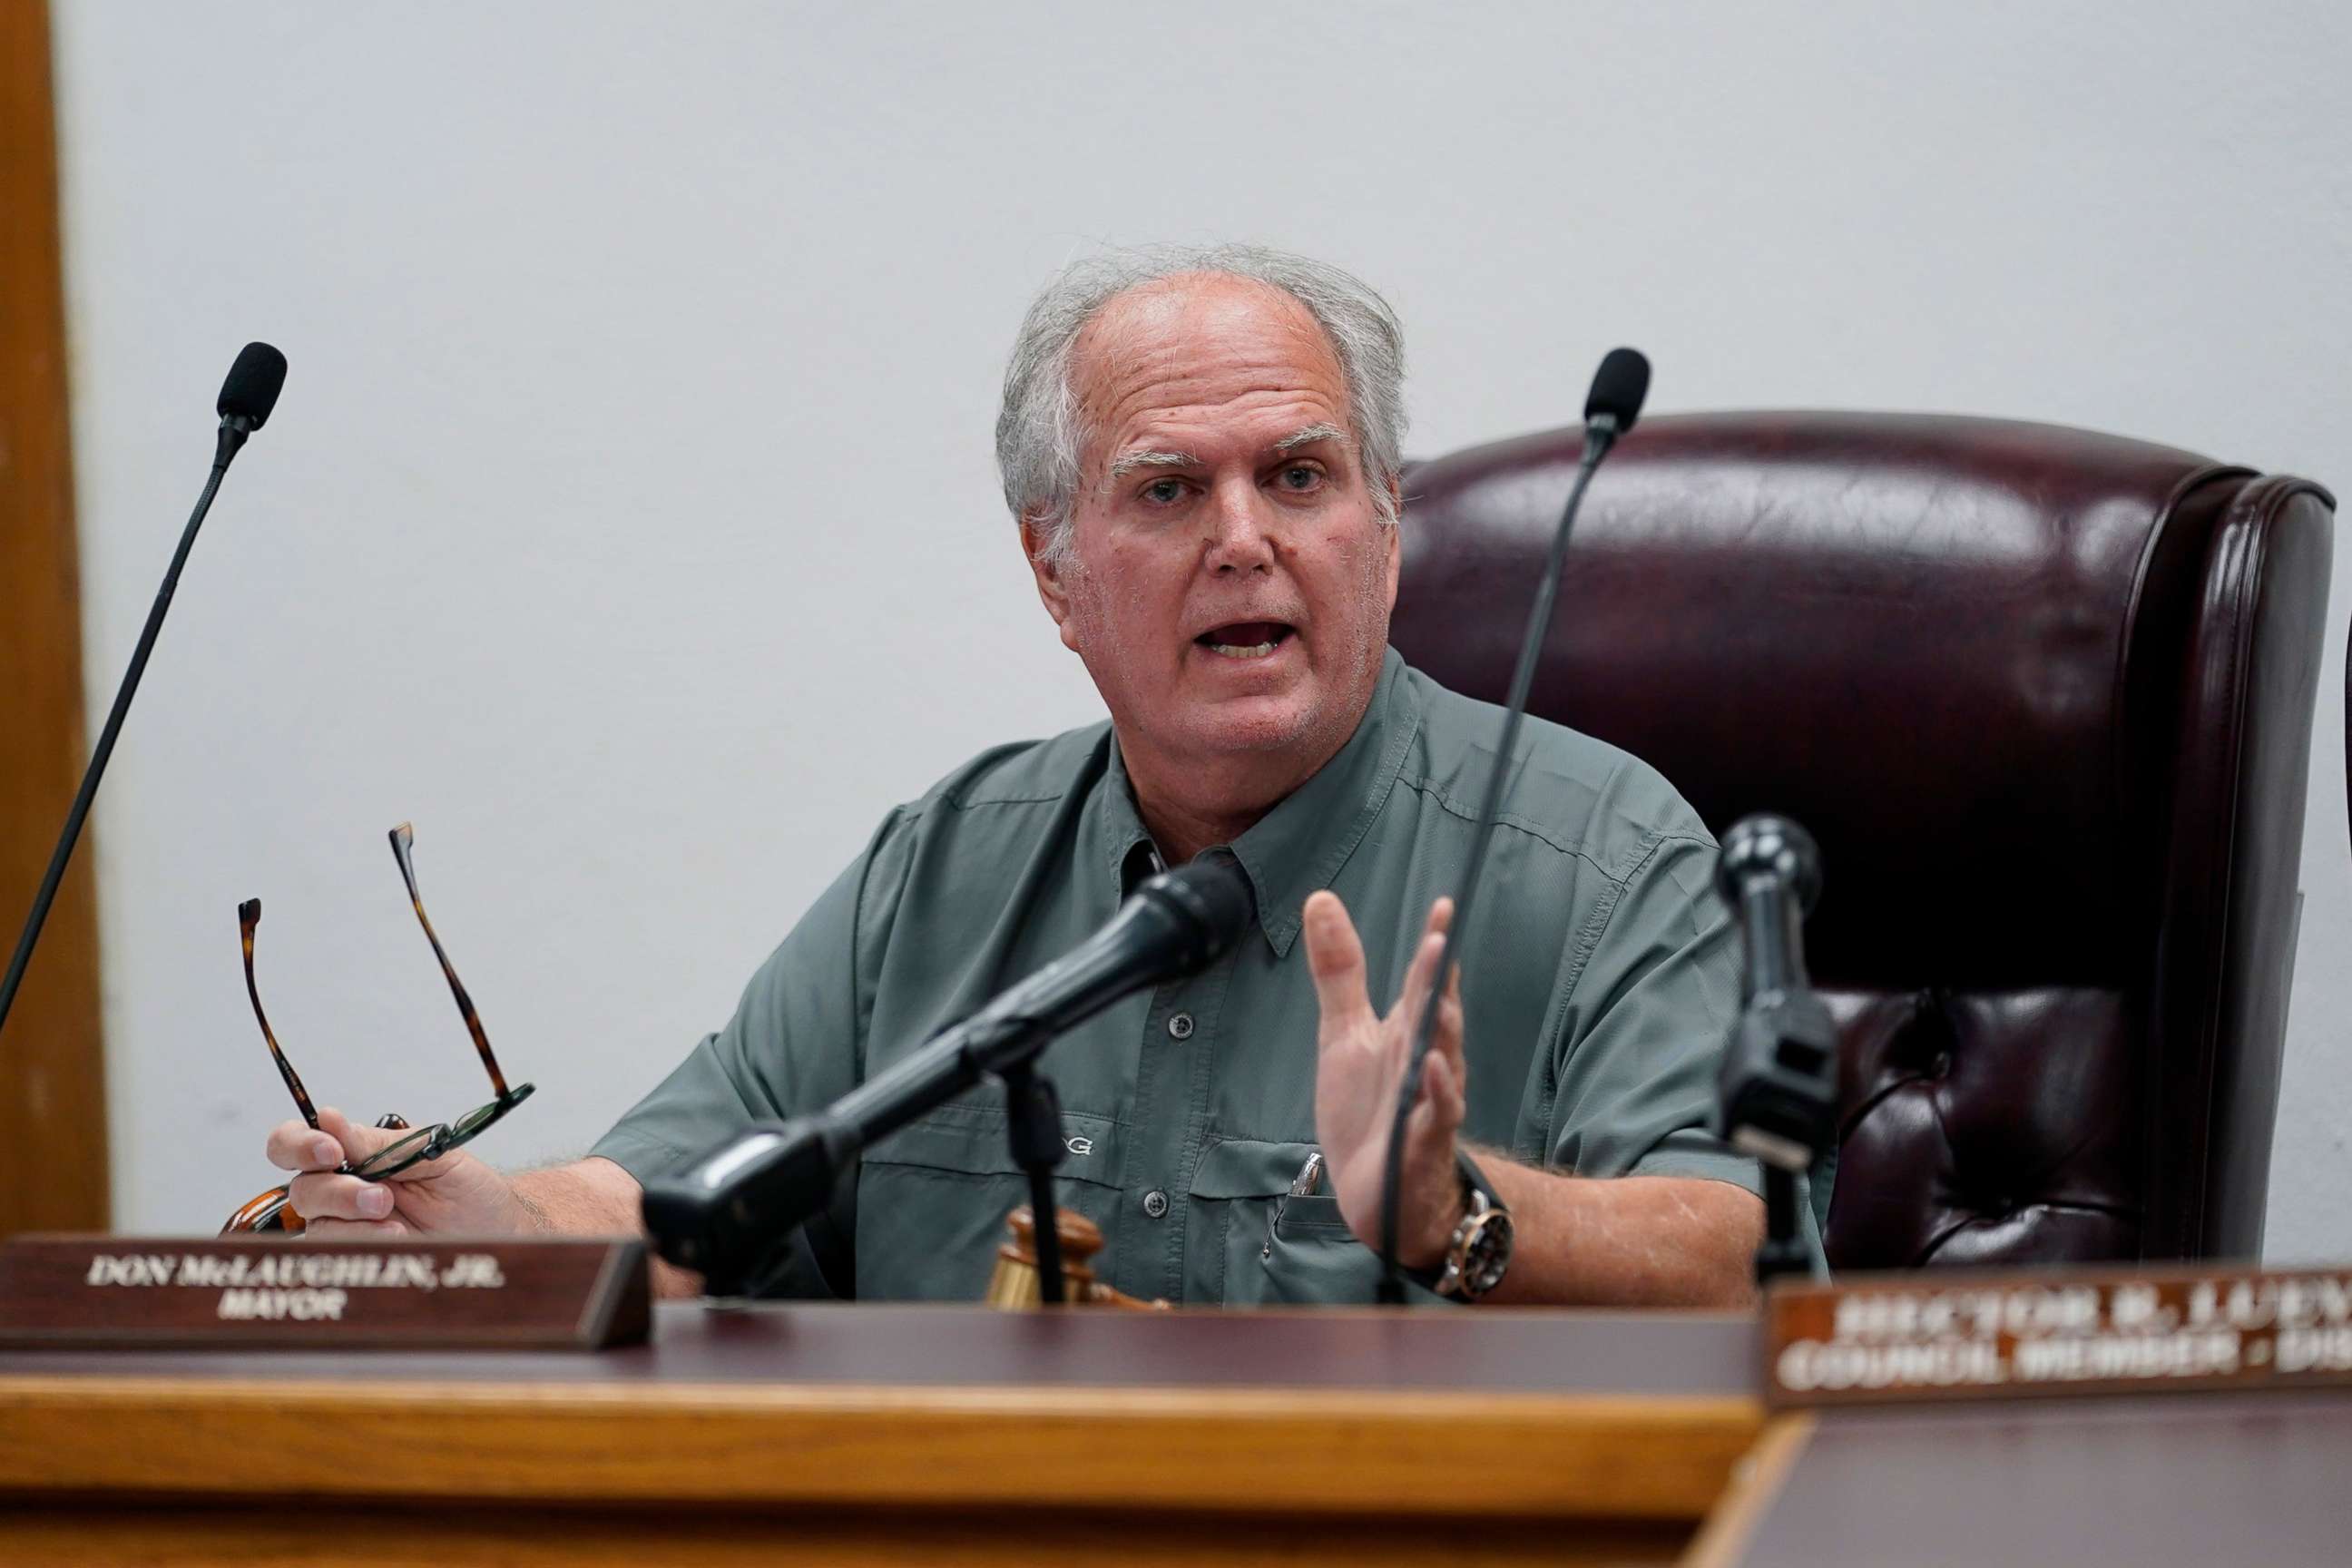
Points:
(1276, 1250)
(932, 1197)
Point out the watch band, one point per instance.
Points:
(1479, 1251)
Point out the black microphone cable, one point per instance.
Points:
(245, 399)
(1619, 387)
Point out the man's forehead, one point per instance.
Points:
(1187, 331)
(1182, 303)
(1201, 360)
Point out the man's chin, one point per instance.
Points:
(1254, 725)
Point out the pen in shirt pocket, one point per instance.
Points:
(1301, 1186)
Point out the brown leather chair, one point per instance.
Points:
(2044, 698)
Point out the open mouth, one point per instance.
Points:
(1245, 639)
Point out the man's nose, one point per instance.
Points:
(1240, 537)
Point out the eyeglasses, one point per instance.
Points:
(269, 1212)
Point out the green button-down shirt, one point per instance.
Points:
(1600, 980)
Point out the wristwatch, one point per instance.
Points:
(1479, 1253)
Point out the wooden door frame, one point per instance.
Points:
(53, 1144)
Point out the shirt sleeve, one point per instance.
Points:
(1650, 1011)
(1648, 1018)
(797, 1038)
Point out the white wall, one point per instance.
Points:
(629, 520)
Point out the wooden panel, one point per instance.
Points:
(532, 1538)
(882, 1433)
(1321, 1451)
(53, 1167)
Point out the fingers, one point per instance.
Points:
(1335, 958)
(1445, 1040)
(1446, 1101)
(293, 1146)
(1439, 1108)
(1437, 1115)
(1441, 915)
(323, 1195)
(1422, 973)
(359, 1143)
(1419, 977)
(347, 1230)
(1430, 1140)
(1414, 996)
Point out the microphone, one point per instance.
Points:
(248, 395)
(1779, 1082)
(1777, 1088)
(1613, 405)
(245, 399)
(1619, 387)
(725, 1211)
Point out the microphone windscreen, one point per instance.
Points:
(1619, 386)
(1212, 898)
(1225, 894)
(253, 385)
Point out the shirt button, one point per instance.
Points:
(1181, 1025)
(1155, 1203)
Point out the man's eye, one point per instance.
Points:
(1164, 492)
(1301, 476)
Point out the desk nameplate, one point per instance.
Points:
(248, 1293)
(1896, 1338)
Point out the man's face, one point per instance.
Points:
(1228, 583)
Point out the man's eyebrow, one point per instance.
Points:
(1129, 462)
(1309, 436)
(1305, 435)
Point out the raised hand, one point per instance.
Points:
(1360, 1063)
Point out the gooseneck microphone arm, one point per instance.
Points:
(245, 400)
(1619, 387)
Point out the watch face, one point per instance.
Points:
(1487, 1256)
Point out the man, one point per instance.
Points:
(1201, 449)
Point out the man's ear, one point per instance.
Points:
(1052, 590)
(1395, 531)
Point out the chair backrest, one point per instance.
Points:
(2043, 697)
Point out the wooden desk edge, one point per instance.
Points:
(1756, 1485)
(1625, 1456)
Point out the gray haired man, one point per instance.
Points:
(1201, 449)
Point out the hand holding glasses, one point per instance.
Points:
(270, 1211)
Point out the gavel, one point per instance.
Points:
(1014, 1286)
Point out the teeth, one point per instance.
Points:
(1255, 650)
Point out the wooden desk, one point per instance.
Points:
(2193, 1480)
(871, 1434)
(956, 1436)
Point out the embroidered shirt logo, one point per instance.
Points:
(1081, 1144)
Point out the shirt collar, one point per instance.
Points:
(1300, 845)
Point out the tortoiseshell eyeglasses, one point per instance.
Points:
(269, 1212)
